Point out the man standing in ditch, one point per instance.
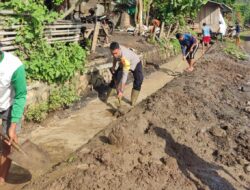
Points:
(12, 101)
(189, 46)
(128, 61)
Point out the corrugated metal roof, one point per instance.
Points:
(224, 7)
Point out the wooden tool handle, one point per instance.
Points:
(14, 144)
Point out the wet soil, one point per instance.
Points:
(192, 134)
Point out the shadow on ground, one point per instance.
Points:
(18, 175)
(192, 165)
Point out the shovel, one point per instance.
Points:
(28, 155)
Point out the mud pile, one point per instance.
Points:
(192, 134)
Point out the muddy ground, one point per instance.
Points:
(192, 134)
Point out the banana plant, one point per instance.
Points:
(172, 10)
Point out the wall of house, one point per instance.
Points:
(210, 15)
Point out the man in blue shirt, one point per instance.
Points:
(189, 46)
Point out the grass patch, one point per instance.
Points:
(234, 51)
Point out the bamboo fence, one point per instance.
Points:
(59, 31)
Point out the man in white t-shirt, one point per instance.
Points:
(222, 30)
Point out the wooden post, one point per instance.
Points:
(162, 29)
(95, 36)
(154, 34)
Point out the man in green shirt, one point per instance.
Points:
(13, 94)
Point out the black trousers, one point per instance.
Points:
(192, 54)
(137, 74)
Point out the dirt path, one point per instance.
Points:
(62, 136)
(192, 134)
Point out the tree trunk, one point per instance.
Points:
(125, 20)
(162, 29)
(141, 16)
(148, 11)
(169, 31)
(176, 28)
(138, 15)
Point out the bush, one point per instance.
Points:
(234, 51)
(55, 63)
(59, 98)
(37, 113)
(175, 45)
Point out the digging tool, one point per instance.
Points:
(187, 55)
(28, 155)
(119, 102)
(116, 84)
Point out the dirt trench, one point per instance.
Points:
(192, 134)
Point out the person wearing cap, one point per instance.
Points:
(189, 46)
(128, 61)
(13, 94)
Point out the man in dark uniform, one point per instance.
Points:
(128, 61)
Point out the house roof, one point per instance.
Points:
(225, 8)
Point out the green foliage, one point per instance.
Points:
(58, 2)
(62, 97)
(175, 46)
(72, 159)
(32, 15)
(242, 12)
(234, 51)
(55, 63)
(193, 33)
(171, 45)
(176, 10)
(126, 5)
(37, 113)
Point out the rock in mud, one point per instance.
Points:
(118, 136)
(217, 132)
(247, 169)
(248, 103)
(247, 109)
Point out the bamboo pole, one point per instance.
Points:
(65, 32)
(7, 39)
(7, 43)
(72, 40)
(63, 26)
(6, 48)
(62, 38)
(162, 29)
(95, 37)
(7, 33)
(11, 27)
(71, 9)
(11, 12)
